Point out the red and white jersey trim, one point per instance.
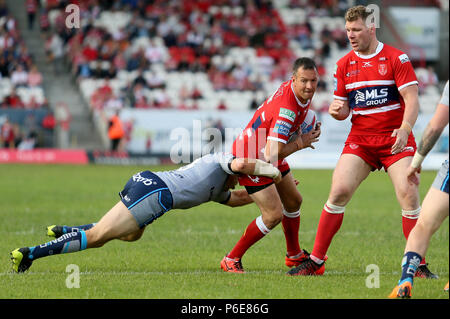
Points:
(356, 85)
(382, 109)
(407, 84)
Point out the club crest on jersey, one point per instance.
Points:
(382, 69)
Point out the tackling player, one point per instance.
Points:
(375, 83)
(146, 197)
(434, 206)
(266, 137)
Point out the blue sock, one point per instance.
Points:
(410, 263)
(70, 229)
(67, 243)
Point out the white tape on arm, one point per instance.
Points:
(417, 160)
(265, 169)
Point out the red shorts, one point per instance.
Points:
(375, 150)
(250, 180)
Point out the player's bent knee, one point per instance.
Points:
(133, 236)
(293, 203)
(272, 220)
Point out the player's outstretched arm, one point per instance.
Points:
(238, 198)
(339, 109)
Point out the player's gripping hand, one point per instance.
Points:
(401, 140)
(309, 138)
(413, 174)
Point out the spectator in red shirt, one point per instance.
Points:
(13, 100)
(7, 136)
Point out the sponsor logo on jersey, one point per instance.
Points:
(367, 64)
(352, 62)
(371, 97)
(139, 179)
(287, 114)
(354, 146)
(383, 58)
(352, 73)
(403, 58)
(382, 69)
(284, 123)
(281, 129)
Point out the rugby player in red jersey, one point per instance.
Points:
(375, 83)
(268, 137)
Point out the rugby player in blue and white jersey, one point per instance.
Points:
(434, 205)
(146, 197)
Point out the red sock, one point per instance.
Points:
(329, 224)
(291, 225)
(251, 235)
(407, 225)
(409, 220)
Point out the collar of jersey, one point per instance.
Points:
(378, 50)
(298, 101)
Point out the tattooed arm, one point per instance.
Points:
(432, 133)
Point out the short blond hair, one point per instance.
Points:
(354, 13)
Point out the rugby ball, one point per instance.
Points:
(308, 124)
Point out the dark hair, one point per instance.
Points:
(305, 63)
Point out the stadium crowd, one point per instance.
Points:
(191, 54)
(186, 55)
(21, 91)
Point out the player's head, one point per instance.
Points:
(304, 78)
(360, 33)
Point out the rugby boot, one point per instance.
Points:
(294, 261)
(402, 290)
(424, 272)
(55, 231)
(20, 260)
(308, 268)
(231, 265)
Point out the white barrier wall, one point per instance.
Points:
(181, 133)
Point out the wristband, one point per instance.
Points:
(265, 169)
(417, 160)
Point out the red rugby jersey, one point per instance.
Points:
(276, 119)
(371, 84)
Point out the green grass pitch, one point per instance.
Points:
(179, 254)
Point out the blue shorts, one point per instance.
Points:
(147, 197)
(441, 180)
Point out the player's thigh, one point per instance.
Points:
(116, 223)
(289, 194)
(350, 171)
(269, 203)
(407, 193)
(434, 209)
